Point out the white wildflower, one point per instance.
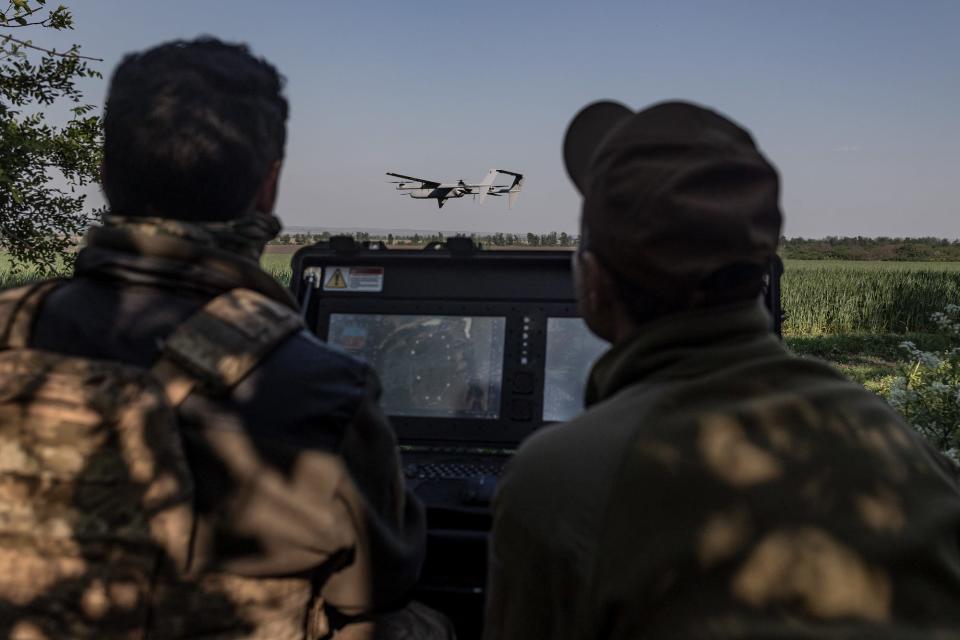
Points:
(928, 392)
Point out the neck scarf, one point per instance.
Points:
(245, 236)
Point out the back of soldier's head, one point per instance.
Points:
(679, 205)
(192, 129)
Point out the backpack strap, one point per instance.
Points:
(219, 345)
(18, 309)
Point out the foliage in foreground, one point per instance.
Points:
(873, 360)
(42, 165)
(927, 393)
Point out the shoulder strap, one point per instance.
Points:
(18, 308)
(222, 343)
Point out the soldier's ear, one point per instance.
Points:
(596, 295)
(266, 197)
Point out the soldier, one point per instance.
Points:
(716, 486)
(270, 504)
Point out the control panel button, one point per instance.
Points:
(523, 382)
(521, 409)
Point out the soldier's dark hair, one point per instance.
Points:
(191, 130)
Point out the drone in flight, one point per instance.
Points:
(422, 189)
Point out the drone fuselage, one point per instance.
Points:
(444, 193)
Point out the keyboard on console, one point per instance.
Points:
(452, 463)
(452, 470)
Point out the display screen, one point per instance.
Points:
(429, 366)
(571, 352)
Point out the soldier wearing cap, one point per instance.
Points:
(717, 486)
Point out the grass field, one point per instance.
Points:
(11, 277)
(835, 297)
(277, 265)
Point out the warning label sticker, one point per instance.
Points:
(335, 278)
(353, 279)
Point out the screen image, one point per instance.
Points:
(571, 352)
(429, 366)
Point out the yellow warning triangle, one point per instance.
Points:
(337, 281)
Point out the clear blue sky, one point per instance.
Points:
(857, 103)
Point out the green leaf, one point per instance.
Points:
(43, 167)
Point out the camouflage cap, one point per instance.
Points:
(672, 194)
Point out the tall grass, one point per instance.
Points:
(846, 298)
(14, 275)
(278, 265)
(11, 276)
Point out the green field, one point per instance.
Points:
(836, 297)
(277, 265)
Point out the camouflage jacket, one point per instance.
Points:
(128, 293)
(720, 487)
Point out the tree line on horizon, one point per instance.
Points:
(553, 239)
(862, 248)
(830, 248)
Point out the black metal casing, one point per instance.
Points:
(517, 285)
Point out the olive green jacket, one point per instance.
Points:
(720, 487)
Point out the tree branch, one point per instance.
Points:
(43, 23)
(21, 13)
(66, 54)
